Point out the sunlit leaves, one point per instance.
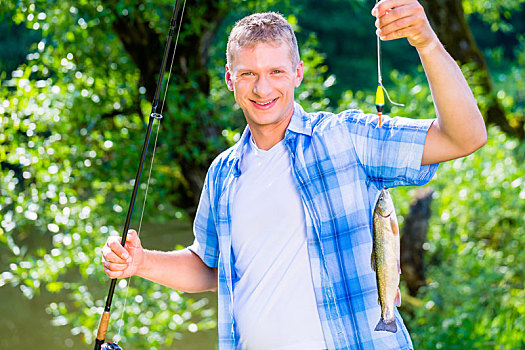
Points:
(494, 12)
(65, 184)
(475, 289)
(311, 94)
(474, 264)
(72, 122)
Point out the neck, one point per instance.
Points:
(265, 141)
(267, 136)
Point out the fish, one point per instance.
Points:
(385, 260)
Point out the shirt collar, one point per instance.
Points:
(239, 149)
(300, 122)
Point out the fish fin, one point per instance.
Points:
(397, 300)
(373, 260)
(389, 327)
(378, 301)
(393, 224)
(398, 266)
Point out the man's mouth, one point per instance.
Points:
(264, 104)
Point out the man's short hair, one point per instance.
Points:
(267, 27)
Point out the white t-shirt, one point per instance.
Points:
(274, 304)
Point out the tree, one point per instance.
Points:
(448, 20)
(73, 119)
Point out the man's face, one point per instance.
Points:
(263, 80)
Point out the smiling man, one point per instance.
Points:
(263, 74)
(283, 228)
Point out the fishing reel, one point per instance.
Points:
(110, 346)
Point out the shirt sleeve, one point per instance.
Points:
(391, 155)
(205, 244)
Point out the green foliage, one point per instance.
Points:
(15, 41)
(494, 12)
(312, 92)
(475, 296)
(475, 293)
(346, 35)
(510, 84)
(73, 117)
(72, 121)
(150, 316)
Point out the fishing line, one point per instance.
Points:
(380, 77)
(121, 320)
(380, 100)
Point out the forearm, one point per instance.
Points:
(182, 270)
(458, 116)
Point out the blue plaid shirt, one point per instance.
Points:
(340, 164)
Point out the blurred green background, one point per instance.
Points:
(77, 80)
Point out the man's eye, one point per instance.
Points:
(277, 71)
(247, 74)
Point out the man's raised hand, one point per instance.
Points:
(404, 19)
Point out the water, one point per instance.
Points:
(26, 325)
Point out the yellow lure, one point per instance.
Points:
(380, 102)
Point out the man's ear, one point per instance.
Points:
(299, 74)
(228, 78)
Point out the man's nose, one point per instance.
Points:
(262, 87)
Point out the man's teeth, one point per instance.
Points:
(264, 104)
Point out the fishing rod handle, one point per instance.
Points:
(102, 329)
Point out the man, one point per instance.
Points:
(283, 228)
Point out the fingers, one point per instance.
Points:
(113, 258)
(400, 17)
(118, 260)
(401, 28)
(403, 18)
(114, 266)
(386, 6)
(114, 274)
(113, 251)
(132, 239)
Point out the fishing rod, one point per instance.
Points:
(155, 114)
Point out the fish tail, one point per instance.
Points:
(388, 327)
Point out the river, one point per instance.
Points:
(26, 325)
